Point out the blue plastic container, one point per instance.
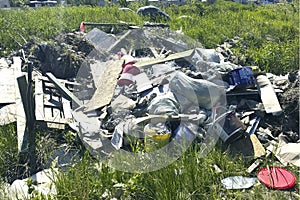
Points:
(241, 77)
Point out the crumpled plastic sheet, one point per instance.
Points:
(205, 66)
(166, 104)
(209, 55)
(162, 69)
(186, 132)
(198, 91)
(238, 182)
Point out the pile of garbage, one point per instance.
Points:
(154, 92)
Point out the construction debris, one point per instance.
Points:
(41, 182)
(153, 86)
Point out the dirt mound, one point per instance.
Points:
(61, 56)
(288, 121)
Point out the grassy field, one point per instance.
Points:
(270, 40)
(270, 33)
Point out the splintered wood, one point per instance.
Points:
(20, 112)
(175, 56)
(7, 83)
(105, 86)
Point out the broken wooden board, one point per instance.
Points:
(105, 86)
(267, 95)
(55, 125)
(258, 148)
(44, 78)
(8, 114)
(253, 166)
(3, 63)
(97, 71)
(155, 53)
(67, 109)
(7, 85)
(117, 45)
(50, 106)
(175, 56)
(20, 109)
(63, 89)
(39, 99)
(54, 115)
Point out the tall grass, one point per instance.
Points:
(190, 177)
(9, 157)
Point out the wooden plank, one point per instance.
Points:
(48, 114)
(3, 63)
(54, 115)
(57, 115)
(106, 85)
(55, 125)
(63, 89)
(253, 166)
(67, 108)
(44, 78)
(7, 85)
(156, 55)
(97, 71)
(174, 56)
(115, 45)
(52, 101)
(39, 99)
(8, 114)
(258, 148)
(267, 95)
(49, 85)
(20, 94)
(106, 24)
(21, 116)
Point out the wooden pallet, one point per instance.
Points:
(51, 106)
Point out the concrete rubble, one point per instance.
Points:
(153, 83)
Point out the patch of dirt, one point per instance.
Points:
(62, 56)
(288, 121)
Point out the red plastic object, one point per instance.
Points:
(81, 27)
(125, 79)
(130, 69)
(276, 178)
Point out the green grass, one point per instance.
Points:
(9, 158)
(270, 33)
(190, 177)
